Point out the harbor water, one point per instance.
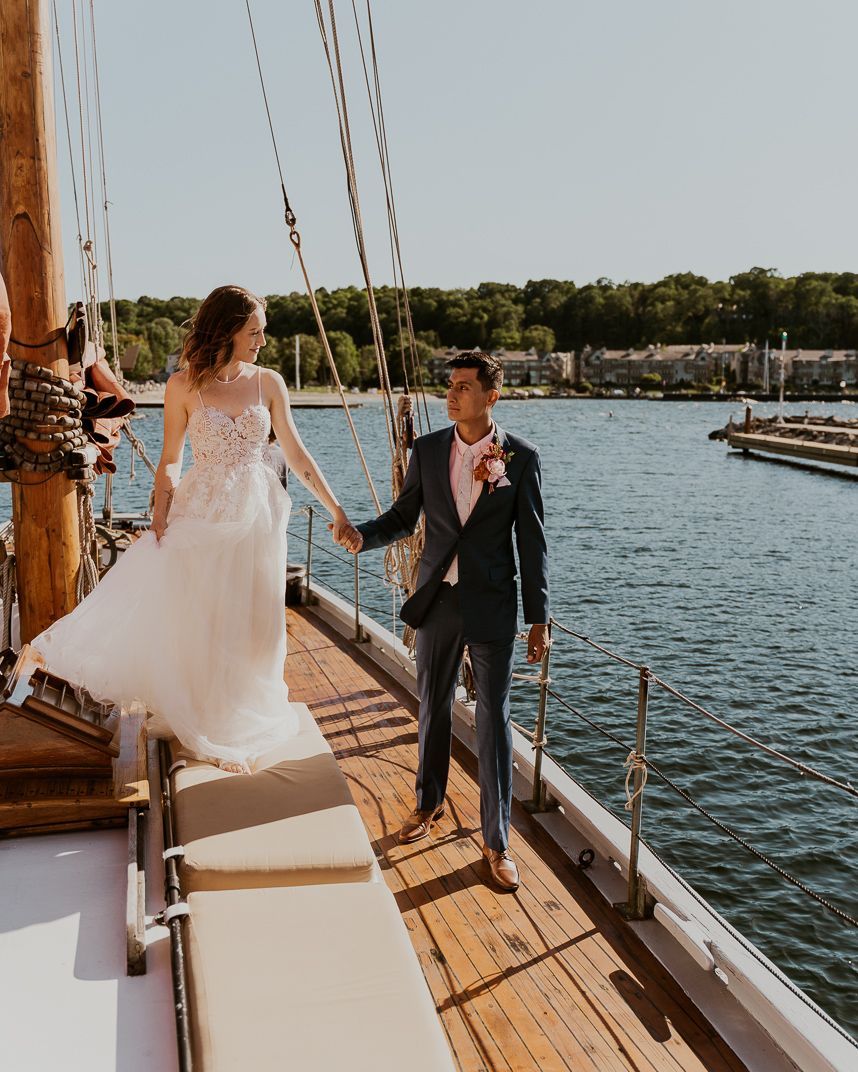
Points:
(733, 579)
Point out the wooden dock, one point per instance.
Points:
(795, 447)
(548, 978)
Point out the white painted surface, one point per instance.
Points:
(65, 1000)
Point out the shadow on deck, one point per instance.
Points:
(546, 978)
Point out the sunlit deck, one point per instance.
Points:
(546, 978)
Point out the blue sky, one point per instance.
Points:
(554, 138)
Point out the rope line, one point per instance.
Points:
(295, 239)
(803, 768)
(105, 202)
(72, 168)
(290, 215)
(376, 107)
(635, 759)
(341, 105)
(752, 849)
(339, 558)
(7, 595)
(749, 948)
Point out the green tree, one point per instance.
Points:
(313, 360)
(369, 366)
(164, 338)
(346, 357)
(505, 338)
(539, 337)
(145, 366)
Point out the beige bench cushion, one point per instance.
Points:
(308, 741)
(291, 824)
(317, 978)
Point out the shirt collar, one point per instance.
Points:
(481, 444)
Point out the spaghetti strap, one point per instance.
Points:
(259, 382)
(202, 406)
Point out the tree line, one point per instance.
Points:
(817, 309)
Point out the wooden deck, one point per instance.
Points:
(546, 978)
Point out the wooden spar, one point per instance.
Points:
(44, 512)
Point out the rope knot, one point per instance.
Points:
(635, 761)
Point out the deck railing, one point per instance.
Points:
(638, 767)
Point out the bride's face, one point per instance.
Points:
(249, 339)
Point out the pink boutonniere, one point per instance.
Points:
(491, 466)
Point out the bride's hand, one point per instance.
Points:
(345, 534)
(159, 528)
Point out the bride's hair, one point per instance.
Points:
(207, 346)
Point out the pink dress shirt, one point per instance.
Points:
(457, 452)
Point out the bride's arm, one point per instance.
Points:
(300, 460)
(170, 466)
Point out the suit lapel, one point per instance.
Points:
(485, 496)
(442, 461)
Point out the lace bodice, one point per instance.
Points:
(218, 439)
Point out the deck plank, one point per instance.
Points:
(546, 978)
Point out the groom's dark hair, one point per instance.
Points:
(489, 369)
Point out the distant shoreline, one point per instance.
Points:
(154, 397)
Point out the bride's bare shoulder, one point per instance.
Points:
(273, 384)
(177, 385)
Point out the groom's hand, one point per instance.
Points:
(346, 535)
(537, 642)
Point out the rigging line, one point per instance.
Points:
(97, 323)
(751, 848)
(348, 156)
(803, 768)
(88, 243)
(290, 215)
(605, 651)
(412, 339)
(751, 949)
(61, 66)
(708, 815)
(375, 108)
(295, 239)
(108, 249)
(357, 225)
(373, 104)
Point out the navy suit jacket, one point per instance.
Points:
(487, 589)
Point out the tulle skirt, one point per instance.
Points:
(193, 627)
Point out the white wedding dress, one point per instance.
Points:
(194, 627)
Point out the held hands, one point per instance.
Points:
(159, 527)
(537, 642)
(345, 534)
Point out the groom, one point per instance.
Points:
(475, 483)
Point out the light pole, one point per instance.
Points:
(766, 383)
(297, 362)
(781, 377)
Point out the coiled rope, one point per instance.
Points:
(44, 408)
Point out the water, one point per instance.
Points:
(733, 579)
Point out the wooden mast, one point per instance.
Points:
(44, 512)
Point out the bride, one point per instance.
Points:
(190, 622)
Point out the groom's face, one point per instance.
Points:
(467, 399)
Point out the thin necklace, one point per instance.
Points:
(235, 377)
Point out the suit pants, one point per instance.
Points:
(440, 645)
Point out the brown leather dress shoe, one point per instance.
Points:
(416, 826)
(502, 867)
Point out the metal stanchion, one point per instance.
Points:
(538, 801)
(358, 628)
(310, 513)
(637, 906)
